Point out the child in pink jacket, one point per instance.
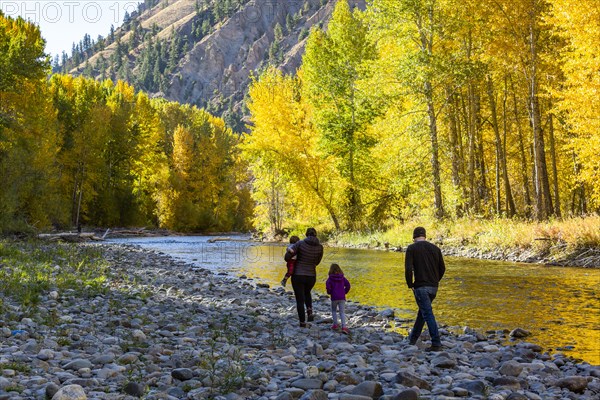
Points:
(337, 286)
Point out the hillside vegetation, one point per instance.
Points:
(200, 52)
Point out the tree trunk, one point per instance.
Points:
(578, 202)
(330, 210)
(543, 201)
(499, 154)
(426, 36)
(435, 164)
(473, 198)
(501, 169)
(523, 156)
(510, 202)
(77, 222)
(455, 148)
(482, 186)
(554, 166)
(276, 202)
(74, 202)
(354, 198)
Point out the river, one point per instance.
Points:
(560, 306)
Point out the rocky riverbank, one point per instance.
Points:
(167, 330)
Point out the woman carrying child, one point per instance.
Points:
(309, 253)
(337, 286)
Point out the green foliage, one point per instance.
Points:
(28, 138)
(15, 366)
(31, 269)
(223, 362)
(23, 57)
(303, 34)
(77, 151)
(332, 66)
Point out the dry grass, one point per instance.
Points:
(489, 235)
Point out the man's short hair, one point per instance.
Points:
(419, 232)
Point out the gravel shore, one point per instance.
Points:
(168, 330)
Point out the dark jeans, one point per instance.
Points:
(302, 286)
(424, 296)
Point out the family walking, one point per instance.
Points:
(424, 268)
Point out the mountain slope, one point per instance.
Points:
(202, 52)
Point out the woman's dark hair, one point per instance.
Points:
(311, 232)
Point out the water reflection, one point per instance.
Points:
(560, 306)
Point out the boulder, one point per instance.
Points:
(575, 384)
(409, 380)
(370, 389)
(511, 368)
(70, 392)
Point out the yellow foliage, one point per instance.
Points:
(578, 22)
(291, 174)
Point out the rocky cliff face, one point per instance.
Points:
(214, 72)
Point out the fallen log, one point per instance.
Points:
(219, 239)
(69, 236)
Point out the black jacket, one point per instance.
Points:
(425, 261)
(309, 253)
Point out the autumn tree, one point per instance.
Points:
(293, 177)
(332, 66)
(149, 167)
(28, 141)
(420, 30)
(521, 41)
(204, 188)
(115, 203)
(83, 119)
(578, 108)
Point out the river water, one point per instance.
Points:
(559, 306)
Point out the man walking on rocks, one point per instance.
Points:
(424, 268)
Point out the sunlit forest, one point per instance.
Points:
(76, 151)
(446, 108)
(441, 108)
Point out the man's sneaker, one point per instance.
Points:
(335, 327)
(345, 331)
(434, 348)
(302, 324)
(283, 282)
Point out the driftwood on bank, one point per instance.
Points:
(72, 237)
(219, 239)
(228, 239)
(99, 235)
